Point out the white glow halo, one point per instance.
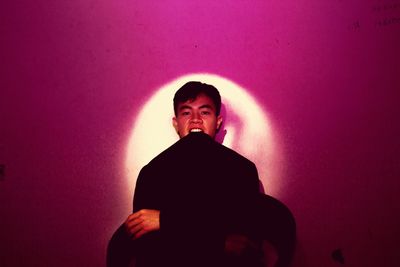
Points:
(247, 128)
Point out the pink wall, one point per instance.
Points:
(75, 74)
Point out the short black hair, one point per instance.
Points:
(191, 90)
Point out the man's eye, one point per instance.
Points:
(205, 112)
(185, 113)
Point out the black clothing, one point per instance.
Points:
(204, 191)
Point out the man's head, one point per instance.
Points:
(197, 108)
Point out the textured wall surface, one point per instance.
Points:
(74, 76)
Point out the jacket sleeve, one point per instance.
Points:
(121, 249)
(146, 194)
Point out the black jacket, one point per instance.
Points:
(204, 191)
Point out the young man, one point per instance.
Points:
(193, 203)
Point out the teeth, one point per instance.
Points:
(196, 130)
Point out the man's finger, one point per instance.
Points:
(135, 215)
(139, 234)
(137, 228)
(135, 222)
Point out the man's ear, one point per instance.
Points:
(175, 124)
(219, 122)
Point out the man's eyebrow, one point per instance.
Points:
(185, 107)
(206, 106)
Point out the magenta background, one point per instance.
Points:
(74, 75)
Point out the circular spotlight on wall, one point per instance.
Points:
(246, 129)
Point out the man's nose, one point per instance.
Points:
(196, 118)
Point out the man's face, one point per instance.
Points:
(198, 115)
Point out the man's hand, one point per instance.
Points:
(142, 222)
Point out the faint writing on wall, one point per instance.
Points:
(386, 14)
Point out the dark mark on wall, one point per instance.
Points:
(355, 26)
(337, 256)
(386, 7)
(2, 171)
(386, 14)
(388, 21)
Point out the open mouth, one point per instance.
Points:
(196, 130)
